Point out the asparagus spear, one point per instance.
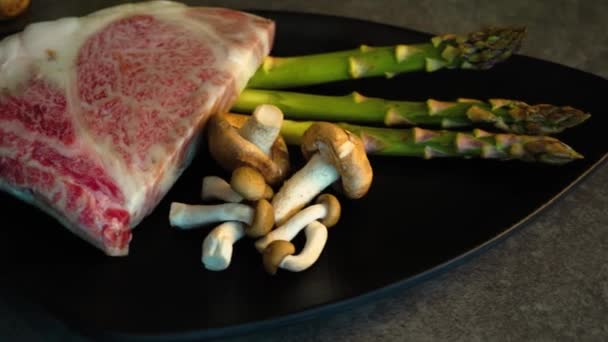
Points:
(507, 115)
(478, 50)
(425, 143)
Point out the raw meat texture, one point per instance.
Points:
(100, 114)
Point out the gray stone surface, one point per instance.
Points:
(548, 282)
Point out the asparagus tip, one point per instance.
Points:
(481, 49)
(541, 118)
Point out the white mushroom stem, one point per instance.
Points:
(215, 187)
(217, 246)
(186, 216)
(316, 237)
(263, 126)
(303, 186)
(288, 230)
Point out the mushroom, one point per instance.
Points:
(250, 184)
(187, 216)
(259, 220)
(263, 220)
(243, 186)
(12, 8)
(232, 148)
(327, 209)
(316, 237)
(332, 153)
(263, 127)
(275, 253)
(217, 246)
(280, 255)
(215, 187)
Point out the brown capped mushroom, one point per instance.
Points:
(263, 220)
(259, 220)
(333, 208)
(268, 193)
(250, 184)
(231, 150)
(327, 209)
(275, 253)
(332, 153)
(12, 8)
(218, 245)
(316, 238)
(280, 253)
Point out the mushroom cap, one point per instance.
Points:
(13, 8)
(345, 151)
(333, 209)
(268, 192)
(231, 150)
(275, 253)
(248, 182)
(263, 220)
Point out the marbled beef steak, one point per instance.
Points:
(99, 114)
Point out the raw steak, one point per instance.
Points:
(99, 115)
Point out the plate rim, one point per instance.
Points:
(339, 305)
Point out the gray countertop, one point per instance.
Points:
(549, 281)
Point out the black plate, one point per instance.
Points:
(419, 217)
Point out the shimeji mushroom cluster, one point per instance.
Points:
(257, 156)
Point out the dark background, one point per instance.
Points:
(547, 282)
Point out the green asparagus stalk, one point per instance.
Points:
(507, 115)
(478, 50)
(425, 143)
